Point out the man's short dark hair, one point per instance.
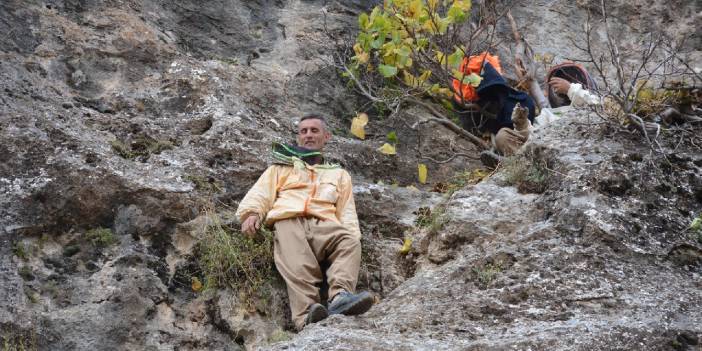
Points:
(315, 116)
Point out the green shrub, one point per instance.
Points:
(485, 274)
(417, 43)
(230, 259)
(433, 220)
(101, 237)
(141, 147)
(20, 250)
(13, 340)
(203, 184)
(528, 175)
(122, 150)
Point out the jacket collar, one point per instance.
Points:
(291, 155)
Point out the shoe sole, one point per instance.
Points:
(356, 307)
(489, 160)
(316, 314)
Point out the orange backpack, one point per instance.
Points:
(473, 64)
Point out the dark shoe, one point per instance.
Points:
(316, 313)
(350, 304)
(490, 159)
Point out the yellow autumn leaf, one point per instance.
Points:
(424, 76)
(363, 57)
(358, 124)
(195, 284)
(412, 188)
(444, 92)
(387, 149)
(440, 57)
(406, 246)
(357, 48)
(409, 79)
(422, 168)
(463, 4)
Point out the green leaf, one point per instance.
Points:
(379, 41)
(363, 21)
(454, 60)
(396, 38)
(423, 18)
(403, 50)
(387, 71)
(443, 25)
(378, 23)
(696, 224)
(473, 79)
(456, 15)
(392, 137)
(365, 40)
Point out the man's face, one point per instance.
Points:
(312, 135)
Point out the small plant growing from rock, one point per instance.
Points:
(21, 251)
(696, 228)
(26, 273)
(13, 340)
(204, 184)
(230, 259)
(142, 147)
(485, 274)
(122, 150)
(529, 176)
(461, 179)
(433, 220)
(279, 335)
(101, 237)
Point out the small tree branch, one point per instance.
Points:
(446, 122)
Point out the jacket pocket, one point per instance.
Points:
(291, 181)
(327, 192)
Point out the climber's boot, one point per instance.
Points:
(490, 159)
(350, 304)
(316, 313)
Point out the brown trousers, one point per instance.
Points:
(508, 141)
(300, 245)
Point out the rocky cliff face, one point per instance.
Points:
(600, 260)
(120, 121)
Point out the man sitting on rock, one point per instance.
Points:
(310, 204)
(569, 84)
(496, 97)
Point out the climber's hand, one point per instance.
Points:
(559, 85)
(251, 225)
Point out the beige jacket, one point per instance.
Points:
(285, 192)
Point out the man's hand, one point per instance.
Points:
(559, 85)
(250, 225)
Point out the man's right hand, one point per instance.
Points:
(559, 85)
(251, 225)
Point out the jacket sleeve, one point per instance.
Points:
(345, 206)
(261, 197)
(581, 97)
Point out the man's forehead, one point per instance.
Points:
(310, 122)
